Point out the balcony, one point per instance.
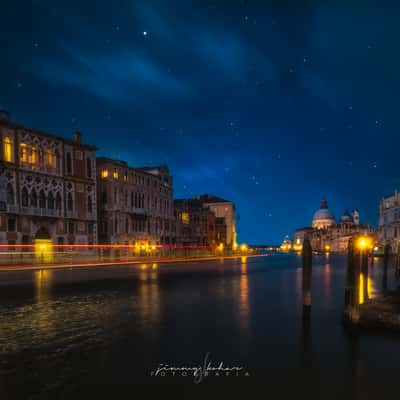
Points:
(41, 212)
(71, 214)
(12, 208)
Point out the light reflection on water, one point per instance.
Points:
(246, 309)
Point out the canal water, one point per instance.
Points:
(65, 333)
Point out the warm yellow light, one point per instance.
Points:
(327, 247)
(153, 247)
(221, 247)
(115, 174)
(104, 173)
(185, 218)
(364, 242)
(44, 250)
(376, 248)
(243, 247)
(143, 246)
(23, 153)
(7, 149)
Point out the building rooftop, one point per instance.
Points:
(5, 122)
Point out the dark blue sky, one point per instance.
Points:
(272, 104)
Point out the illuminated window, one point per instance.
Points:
(50, 158)
(23, 153)
(104, 173)
(185, 218)
(115, 174)
(32, 159)
(7, 149)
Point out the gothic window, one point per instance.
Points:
(34, 199)
(50, 201)
(7, 149)
(58, 201)
(24, 197)
(42, 200)
(23, 153)
(10, 194)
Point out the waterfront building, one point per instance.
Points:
(195, 224)
(327, 234)
(206, 220)
(48, 187)
(135, 205)
(389, 220)
(226, 210)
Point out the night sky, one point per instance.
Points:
(270, 104)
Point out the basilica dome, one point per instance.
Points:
(323, 218)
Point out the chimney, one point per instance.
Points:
(4, 115)
(78, 138)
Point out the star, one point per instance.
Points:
(144, 33)
(305, 59)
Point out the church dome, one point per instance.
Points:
(323, 218)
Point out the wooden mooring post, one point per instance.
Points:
(307, 269)
(352, 290)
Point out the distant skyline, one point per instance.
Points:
(271, 104)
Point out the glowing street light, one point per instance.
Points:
(364, 242)
(243, 247)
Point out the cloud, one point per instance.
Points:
(121, 76)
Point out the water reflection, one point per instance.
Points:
(43, 285)
(327, 283)
(149, 293)
(244, 297)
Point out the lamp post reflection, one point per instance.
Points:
(149, 293)
(244, 295)
(43, 283)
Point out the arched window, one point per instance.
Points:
(89, 204)
(58, 201)
(50, 158)
(10, 194)
(24, 197)
(23, 153)
(69, 164)
(34, 199)
(89, 167)
(42, 200)
(7, 148)
(70, 202)
(50, 201)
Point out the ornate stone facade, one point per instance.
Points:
(50, 187)
(135, 204)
